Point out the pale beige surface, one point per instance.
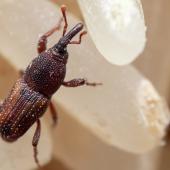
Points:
(83, 151)
(118, 154)
(125, 101)
(155, 60)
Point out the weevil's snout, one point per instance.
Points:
(65, 40)
(61, 47)
(74, 31)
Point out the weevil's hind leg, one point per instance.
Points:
(35, 141)
(42, 43)
(54, 113)
(79, 82)
(80, 38)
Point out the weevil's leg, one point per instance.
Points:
(42, 43)
(79, 82)
(80, 38)
(35, 141)
(54, 113)
(63, 10)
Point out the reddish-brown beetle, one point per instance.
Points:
(31, 94)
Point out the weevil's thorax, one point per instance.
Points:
(46, 73)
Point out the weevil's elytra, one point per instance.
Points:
(31, 95)
(22, 104)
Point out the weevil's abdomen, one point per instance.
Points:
(20, 110)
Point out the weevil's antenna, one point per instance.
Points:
(63, 10)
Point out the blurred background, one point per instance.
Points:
(153, 63)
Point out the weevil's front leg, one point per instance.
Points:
(35, 141)
(54, 113)
(79, 82)
(42, 43)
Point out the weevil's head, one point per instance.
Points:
(61, 47)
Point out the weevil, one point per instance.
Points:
(31, 94)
